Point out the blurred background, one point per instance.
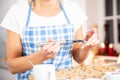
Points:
(102, 14)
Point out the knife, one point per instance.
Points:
(62, 42)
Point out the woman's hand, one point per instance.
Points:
(91, 38)
(81, 53)
(50, 50)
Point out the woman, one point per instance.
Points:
(34, 21)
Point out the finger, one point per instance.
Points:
(54, 50)
(94, 36)
(57, 49)
(51, 55)
(93, 30)
(93, 42)
(50, 40)
(86, 46)
(44, 52)
(90, 33)
(48, 45)
(96, 42)
(91, 45)
(93, 39)
(51, 49)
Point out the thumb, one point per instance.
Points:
(50, 40)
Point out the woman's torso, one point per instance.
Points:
(34, 34)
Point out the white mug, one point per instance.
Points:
(44, 72)
(111, 76)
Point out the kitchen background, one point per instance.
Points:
(101, 14)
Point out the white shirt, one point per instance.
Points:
(15, 20)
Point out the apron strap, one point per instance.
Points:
(30, 9)
(64, 12)
(29, 13)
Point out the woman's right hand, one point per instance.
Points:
(50, 50)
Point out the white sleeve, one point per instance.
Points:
(10, 21)
(81, 20)
(79, 17)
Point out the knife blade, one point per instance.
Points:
(62, 42)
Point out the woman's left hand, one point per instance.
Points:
(80, 53)
(91, 38)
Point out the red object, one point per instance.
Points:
(111, 50)
(102, 48)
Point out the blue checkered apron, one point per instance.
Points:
(34, 34)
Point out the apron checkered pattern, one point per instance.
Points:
(34, 34)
